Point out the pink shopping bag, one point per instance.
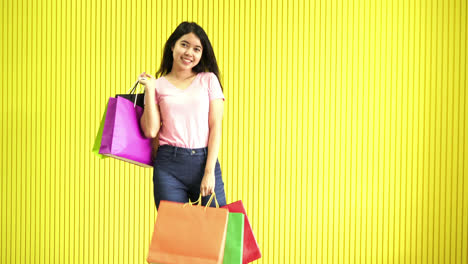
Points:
(122, 137)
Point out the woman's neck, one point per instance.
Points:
(181, 74)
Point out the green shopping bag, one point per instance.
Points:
(234, 239)
(97, 141)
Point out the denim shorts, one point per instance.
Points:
(178, 173)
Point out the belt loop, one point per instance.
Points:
(204, 150)
(175, 152)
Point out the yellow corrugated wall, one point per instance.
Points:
(344, 130)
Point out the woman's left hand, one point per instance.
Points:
(207, 184)
(147, 80)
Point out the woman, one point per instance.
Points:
(185, 105)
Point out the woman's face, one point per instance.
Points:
(187, 52)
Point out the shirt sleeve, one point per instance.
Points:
(214, 88)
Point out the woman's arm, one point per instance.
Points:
(214, 142)
(150, 120)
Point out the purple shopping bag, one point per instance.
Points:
(122, 137)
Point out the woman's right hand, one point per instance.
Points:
(147, 80)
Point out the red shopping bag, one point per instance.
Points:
(188, 234)
(251, 251)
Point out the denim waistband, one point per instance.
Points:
(183, 151)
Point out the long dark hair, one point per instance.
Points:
(208, 60)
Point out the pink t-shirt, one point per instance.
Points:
(184, 113)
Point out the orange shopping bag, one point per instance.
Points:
(188, 234)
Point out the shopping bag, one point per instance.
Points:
(139, 99)
(251, 251)
(122, 137)
(188, 234)
(234, 239)
(132, 95)
(97, 140)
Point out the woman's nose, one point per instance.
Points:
(188, 51)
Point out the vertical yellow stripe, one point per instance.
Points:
(4, 130)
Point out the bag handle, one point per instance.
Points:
(133, 91)
(213, 195)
